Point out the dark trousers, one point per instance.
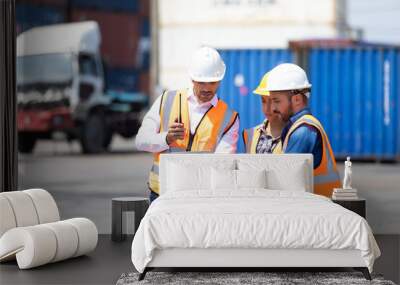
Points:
(152, 196)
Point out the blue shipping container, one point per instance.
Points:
(356, 96)
(30, 16)
(122, 79)
(129, 6)
(244, 70)
(143, 60)
(145, 27)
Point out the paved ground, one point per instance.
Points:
(83, 185)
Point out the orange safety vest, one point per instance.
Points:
(326, 176)
(215, 123)
(252, 136)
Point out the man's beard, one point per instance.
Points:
(290, 113)
(204, 96)
(286, 116)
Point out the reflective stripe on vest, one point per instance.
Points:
(165, 109)
(326, 176)
(210, 130)
(251, 138)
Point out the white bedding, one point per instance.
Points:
(250, 218)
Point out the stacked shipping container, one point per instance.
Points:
(125, 30)
(29, 15)
(130, 6)
(121, 23)
(119, 33)
(143, 59)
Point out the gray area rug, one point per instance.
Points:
(225, 278)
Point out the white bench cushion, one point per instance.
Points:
(23, 208)
(30, 230)
(46, 207)
(40, 244)
(7, 220)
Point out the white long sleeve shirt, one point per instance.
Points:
(149, 138)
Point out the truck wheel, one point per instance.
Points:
(26, 142)
(93, 134)
(108, 139)
(130, 130)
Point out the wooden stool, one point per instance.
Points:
(138, 205)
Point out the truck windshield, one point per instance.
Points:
(44, 68)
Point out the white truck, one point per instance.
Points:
(60, 89)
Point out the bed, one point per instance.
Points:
(246, 211)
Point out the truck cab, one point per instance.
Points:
(60, 88)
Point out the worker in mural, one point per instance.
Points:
(265, 137)
(290, 90)
(192, 119)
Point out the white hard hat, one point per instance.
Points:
(287, 76)
(207, 65)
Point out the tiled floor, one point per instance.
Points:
(389, 262)
(110, 260)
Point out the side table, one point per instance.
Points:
(138, 205)
(358, 206)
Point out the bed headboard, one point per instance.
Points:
(284, 163)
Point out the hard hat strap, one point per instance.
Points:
(299, 91)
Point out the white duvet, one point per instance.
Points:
(253, 218)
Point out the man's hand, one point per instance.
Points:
(176, 131)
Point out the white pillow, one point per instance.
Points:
(293, 179)
(223, 179)
(251, 178)
(182, 177)
(226, 179)
(186, 175)
(281, 174)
